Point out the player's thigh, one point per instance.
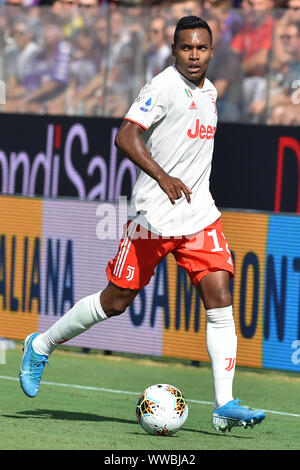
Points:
(208, 262)
(137, 257)
(214, 290)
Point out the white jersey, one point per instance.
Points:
(180, 121)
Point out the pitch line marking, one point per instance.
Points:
(126, 392)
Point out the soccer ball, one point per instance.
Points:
(162, 410)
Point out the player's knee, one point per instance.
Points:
(219, 299)
(119, 305)
(115, 300)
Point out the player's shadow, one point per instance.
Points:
(207, 433)
(67, 416)
(216, 434)
(79, 416)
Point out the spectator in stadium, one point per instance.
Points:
(50, 73)
(231, 18)
(89, 95)
(225, 72)
(69, 15)
(100, 34)
(280, 55)
(279, 60)
(118, 60)
(113, 59)
(18, 63)
(284, 100)
(158, 51)
(88, 10)
(82, 70)
(253, 43)
(138, 26)
(245, 5)
(89, 7)
(285, 110)
(120, 75)
(138, 21)
(190, 7)
(170, 29)
(293, 10)
(63, 8)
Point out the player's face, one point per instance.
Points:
(192, 53)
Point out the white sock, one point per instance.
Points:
(84, 314)
(221, 343)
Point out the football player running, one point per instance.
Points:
(168, 133)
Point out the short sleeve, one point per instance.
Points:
(150, 106)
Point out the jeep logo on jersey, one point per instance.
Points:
(204, 132)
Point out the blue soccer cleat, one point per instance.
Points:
(32, 367)
(232, 414)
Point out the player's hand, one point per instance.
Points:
(174, 188)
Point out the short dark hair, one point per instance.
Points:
(191, 22)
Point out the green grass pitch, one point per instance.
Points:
(87, 402)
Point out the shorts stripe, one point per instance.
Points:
(118, 258)
(124, 250)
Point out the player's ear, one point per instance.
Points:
(173, 50)
(212, 50)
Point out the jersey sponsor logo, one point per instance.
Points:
(201, 131)
(193, 105)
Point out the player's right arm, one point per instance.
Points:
(128, 140)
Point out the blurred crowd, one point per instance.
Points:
(91, 57)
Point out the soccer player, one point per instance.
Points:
(169, 134)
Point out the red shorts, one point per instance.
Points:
(140, 251)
